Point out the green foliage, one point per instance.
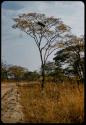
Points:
(3, 71)
(49, 67)
(31, 76)
(17, 73)
(71, 56)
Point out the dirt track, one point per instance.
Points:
(11, 110)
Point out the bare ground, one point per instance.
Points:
(11, 109)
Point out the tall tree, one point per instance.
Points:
(46, 32)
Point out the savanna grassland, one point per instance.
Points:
(58, 103)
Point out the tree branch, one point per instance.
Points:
(50, 54)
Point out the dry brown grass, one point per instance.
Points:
(59, 103)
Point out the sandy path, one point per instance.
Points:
(11, 110)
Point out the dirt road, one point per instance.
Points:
(11, 110)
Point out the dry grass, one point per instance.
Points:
(58, 104)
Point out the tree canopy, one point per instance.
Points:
(71, 55)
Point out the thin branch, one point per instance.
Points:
(33, 31)
(40, 37)
(32, 37)
(45, 53)
(49, 41)
(50, 54)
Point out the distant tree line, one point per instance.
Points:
(17, 73)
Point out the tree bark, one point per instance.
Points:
(43, 77)
(42, 70)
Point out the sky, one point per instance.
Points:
(19, 49)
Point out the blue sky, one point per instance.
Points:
(16, 47)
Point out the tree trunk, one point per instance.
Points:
(42, 70)
(43, 77)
